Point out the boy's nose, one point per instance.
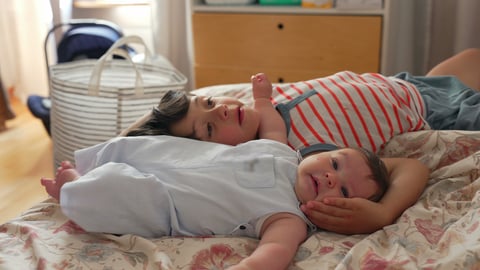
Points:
(222, 111)
(330, 180)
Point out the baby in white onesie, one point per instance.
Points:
(161, 185)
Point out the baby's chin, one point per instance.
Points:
(301, 199)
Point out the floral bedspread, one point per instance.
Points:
(441, 231)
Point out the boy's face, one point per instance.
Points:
(218, 119)
(339, 173)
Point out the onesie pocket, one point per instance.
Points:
(256, 172)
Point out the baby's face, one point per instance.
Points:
(218, 119)
(339, 173)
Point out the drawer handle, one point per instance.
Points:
(280, 26)
(280, 80)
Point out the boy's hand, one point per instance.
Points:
(347, 215)
(261, 86)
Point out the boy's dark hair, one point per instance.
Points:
(172, 108)
(379, 173)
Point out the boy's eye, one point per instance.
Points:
(209, 130)
(344, 192)
(210, 102)
(335, 164)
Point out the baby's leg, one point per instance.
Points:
(65, 173)
(464, 65)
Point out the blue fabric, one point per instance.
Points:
(284, 108)
(319, 147)
(37, 108)
(86, 42)
(450, 104)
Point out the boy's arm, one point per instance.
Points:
(408, 178)
(280, 237)
(272, 125)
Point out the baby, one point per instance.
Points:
(169, 186)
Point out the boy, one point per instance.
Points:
(148, 186)
(414, 106)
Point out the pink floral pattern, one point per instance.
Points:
(428, 235)
(219, 256)
(430, 231)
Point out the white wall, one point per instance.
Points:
(23, 26)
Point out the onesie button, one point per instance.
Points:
(244, 229)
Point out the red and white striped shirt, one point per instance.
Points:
(349, 109)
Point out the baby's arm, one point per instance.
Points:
(271, 123)
(65, 173)
(280, 237)
(408, 178)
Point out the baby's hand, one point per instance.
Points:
(262, 88)
(65, 173)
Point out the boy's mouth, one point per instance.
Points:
(241, 115)
(315, 184)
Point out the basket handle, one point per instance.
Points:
(134, 39)
(115, 49)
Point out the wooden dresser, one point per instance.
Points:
(288, 43)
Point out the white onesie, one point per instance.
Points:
(166, 186)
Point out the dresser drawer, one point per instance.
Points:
(211, 75)
(293, 47)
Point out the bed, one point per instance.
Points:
(441, 231)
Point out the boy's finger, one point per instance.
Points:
(315, 208)
(338, 202)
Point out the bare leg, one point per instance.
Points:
(464, 65)
(65, 173)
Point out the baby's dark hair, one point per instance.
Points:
(172, 107)
(379, 173)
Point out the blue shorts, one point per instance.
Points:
(450, 104)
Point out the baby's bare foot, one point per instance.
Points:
(65, 165)
(65, 173)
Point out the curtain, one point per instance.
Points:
(455, 26)
(439, 29)
(171, 32)
(23, 26)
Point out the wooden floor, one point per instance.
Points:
(25, 156)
